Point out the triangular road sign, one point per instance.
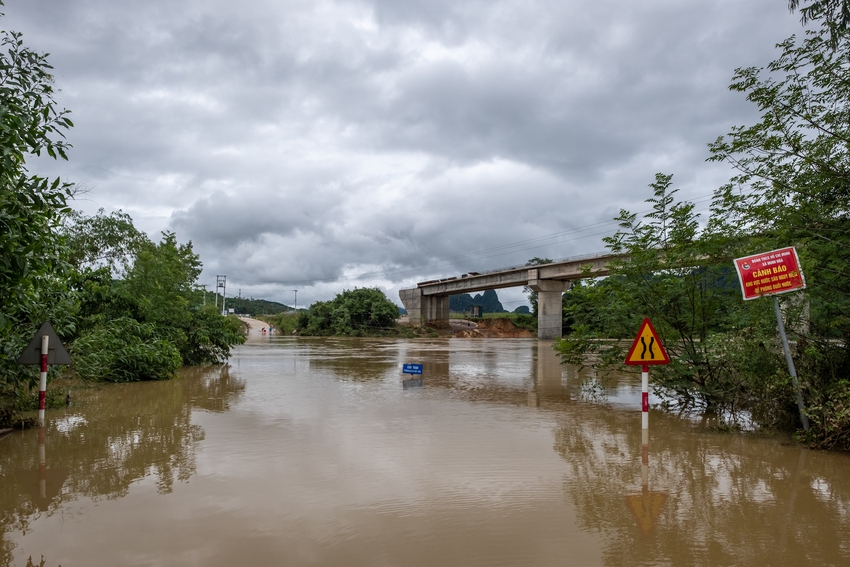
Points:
(56, 353)
(646, 507)
(647, 348)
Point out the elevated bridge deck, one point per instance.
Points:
(428, 303)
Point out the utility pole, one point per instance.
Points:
(296, 300)
(205, 293)
(221, 282)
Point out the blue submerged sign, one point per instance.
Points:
(411, 369)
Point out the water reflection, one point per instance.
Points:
(355, 359)
(501, 459)
(715, 499)
(104, 443)
(549, 379)
(677, 494)
(42, 485)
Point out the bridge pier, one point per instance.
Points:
(425, 310)
(549, 306)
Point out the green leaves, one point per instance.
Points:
(357, 312)
(792, 187)
(125, 350)
(32, 256)
(679, 277)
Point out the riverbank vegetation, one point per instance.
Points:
(358, 312)
(127, 308)
(792, 189)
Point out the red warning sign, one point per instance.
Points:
(770, 273)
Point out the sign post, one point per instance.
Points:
(646, 349)
(412, 369)
(772, 273)
(42, 378)
(44, 348)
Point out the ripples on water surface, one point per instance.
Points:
(309, 452)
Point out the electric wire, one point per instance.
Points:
(503, 249)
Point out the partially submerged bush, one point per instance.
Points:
(125, 350)
(356, 312)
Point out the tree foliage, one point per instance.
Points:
(681, 279)
(149, 315)
(32, 259)
(30, 206)
(104, 240)
(835, 14)
(356, 312)
(792, 187)
(126, 306)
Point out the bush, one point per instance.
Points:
(124, 350)
(357, 312)
(209, 337)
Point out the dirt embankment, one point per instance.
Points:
(494, 328)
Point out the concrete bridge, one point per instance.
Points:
(428, 303)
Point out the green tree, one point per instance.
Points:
(31, 207)
(682, 281)
(146, 325)
(161, 285)
(102, 240)
(356, 312)
(162, 281)
(793, 188)
(835, 14)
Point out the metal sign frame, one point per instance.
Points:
(56, 353)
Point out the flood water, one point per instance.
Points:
(310, 452)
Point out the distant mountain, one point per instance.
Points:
(488, 301)
(255, 307)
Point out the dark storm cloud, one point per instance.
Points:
(318, 141)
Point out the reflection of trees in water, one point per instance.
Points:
(212, 388)
(121, 433)
(732, 500)
(355, 359)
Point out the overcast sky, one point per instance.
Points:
(320, 145)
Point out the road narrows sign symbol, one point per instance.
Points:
(647, 348)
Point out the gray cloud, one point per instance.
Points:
(307, 143)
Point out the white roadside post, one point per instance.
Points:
(44, 348)
(42, 380)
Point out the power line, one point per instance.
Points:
(504, 250)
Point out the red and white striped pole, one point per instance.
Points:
(644, 405)
(644, 416)
(42, 382)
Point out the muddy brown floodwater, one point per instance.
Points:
(310, 452)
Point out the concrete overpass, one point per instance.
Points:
(428, 303)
